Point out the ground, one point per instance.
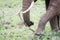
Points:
(8, 13)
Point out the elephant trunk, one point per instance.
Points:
(27, 4)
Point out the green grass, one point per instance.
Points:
(8, 10)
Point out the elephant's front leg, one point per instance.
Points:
(55, 20)
(26, 16)
(50, 13)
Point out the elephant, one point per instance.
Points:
(51, 15)
(53, 21)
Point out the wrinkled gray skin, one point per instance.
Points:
(54, 22)
(50, 15)
(52, 11)
(26, 16)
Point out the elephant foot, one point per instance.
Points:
(29, 24)
(40, 29)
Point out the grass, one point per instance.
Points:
(8, 10)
